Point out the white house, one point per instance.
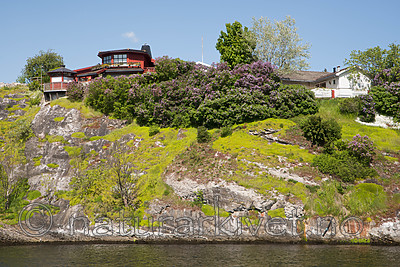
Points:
(339, 83)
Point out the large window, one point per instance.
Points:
(107, 60)
(120, 58)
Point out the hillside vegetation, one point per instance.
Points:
(255, 140)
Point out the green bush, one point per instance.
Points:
(362, 147)
(349, 106)
(344, 166)
(319, 131)
(34, 85)
(387, 99)
(153, 130)
(183, 94)
(21, 130)
(226, 131)
(35, 101)
(203, 136)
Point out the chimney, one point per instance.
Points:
(334, 69)
(338, 68)
(146, 48)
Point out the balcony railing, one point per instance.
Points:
(58, 86)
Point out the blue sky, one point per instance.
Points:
(78, 30)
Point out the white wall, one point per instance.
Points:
(354, 81)
(56, 79)
(330, 84)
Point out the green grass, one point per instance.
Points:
(32, 195)
(53, 165)
(257, 149)
(384, 139)
(78, 135)
(94, 138)
(73, 151)
(37, 160)
(87, 112)
(277, 213)
(366, 198)
(55, 138)
(58, 119)
(209, 210)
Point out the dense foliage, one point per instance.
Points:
(361, 147)
(367, 108)
(234, 45)
(349, 105)
(76, 91)
(386, 93)
(38, 66)
(348, 161)
(320, 131)
(279, 43)
(182, 94)
(375, 59)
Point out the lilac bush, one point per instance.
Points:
(361, 147)
(182, 94)
(386, 92)
(367, 108)
(76, 91)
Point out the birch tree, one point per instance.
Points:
(279, 43)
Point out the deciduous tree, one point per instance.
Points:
(39, 65)
(234, 45)
(279, 43)
(375, 59)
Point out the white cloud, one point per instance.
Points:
(131, 36)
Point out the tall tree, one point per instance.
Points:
(279, 43)
(39, 65)
(375, 59)
(234, 45)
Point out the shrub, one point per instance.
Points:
(76, 91)
(349, 106)
(361, 147)
(387, 99)
(34, 85)
(226, 131)
(182, 94)
(203, 136)
(35, 101)
(153, 130)
(366, 112)
(21, 130)
(319, 131)
(343, 166)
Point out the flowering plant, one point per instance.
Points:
(361, 147)
(367, 108)
(183, 94)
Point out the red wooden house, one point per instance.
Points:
(119, 62)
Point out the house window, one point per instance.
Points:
(334, 81)
(107, 60)
(120, 58)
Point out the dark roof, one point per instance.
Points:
(305, 76)
(119, 51)
(126, 70)
(87, 74)
(61, 70)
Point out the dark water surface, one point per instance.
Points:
(199, 255)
